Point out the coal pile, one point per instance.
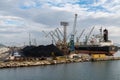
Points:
(41, 51)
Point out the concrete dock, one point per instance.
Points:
(37, 62)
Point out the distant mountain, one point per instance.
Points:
(2, 45)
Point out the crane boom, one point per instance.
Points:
(74, 25)
(53, 39)
(45, 33)
(89, 34)
(81, 34)
(51, 34)
(57, 34)
(60, 32)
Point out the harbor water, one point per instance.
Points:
(101, 70)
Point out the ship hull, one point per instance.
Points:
(107, 50)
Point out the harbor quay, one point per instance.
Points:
(28, 62)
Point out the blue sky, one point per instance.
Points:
(18, 18)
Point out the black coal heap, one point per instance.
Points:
(41, 51)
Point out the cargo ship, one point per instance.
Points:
(98, 45)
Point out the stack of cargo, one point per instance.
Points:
(41, 51)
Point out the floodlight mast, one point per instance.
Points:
(64, 24)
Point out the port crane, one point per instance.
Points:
(58, 35)
(72, 47)
(53, 39)
(59, 32)
(51, 34)
(78, 38)
(87, 37)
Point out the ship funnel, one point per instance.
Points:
(105, 35)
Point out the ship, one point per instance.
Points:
(100, 44)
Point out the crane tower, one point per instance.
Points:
(72, 48)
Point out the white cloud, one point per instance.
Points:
(70, 8)
(114, 31)
(47, 15)
(29, 3)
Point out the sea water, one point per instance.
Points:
(101, 70)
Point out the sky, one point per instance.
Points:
(19, 18)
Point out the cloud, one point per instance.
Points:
(18, 18)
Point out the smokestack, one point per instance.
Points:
(105, 35)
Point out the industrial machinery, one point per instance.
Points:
(72, 47)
